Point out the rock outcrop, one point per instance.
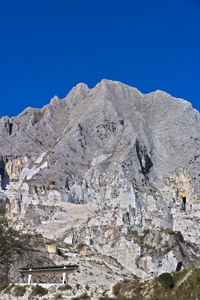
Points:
(111, 168)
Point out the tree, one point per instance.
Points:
(166, 280)
(6, 247)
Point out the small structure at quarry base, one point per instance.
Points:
(43, 271)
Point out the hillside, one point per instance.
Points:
(109, 174)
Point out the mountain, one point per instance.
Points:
(108, 171)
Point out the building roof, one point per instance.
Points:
(49, 269)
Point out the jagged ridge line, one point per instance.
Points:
(94, 215)
(6, 111)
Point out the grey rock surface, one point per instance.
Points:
(101, 167)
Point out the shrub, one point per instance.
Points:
(116, 289)
(166, 280)
(19, 290)
(146, 231)
(198, 278)
(3, 283)
(9, 288)
(57, 296)
(65, 287)
(38, 290)
(6, 242)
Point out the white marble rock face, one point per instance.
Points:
(107, 167)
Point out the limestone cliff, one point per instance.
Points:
(111, 168)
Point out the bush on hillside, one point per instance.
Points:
(166, 280)
(38, 290)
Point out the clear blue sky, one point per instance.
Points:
(48, 46)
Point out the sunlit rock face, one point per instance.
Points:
(111, 168)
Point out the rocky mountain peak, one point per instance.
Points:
(111, 168)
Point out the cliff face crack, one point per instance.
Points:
(4, 176)
(82, 138)
(9, 126)
(145, 161)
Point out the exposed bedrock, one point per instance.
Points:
(103, 165)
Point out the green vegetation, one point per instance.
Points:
(186, 286)
(116, 289)
(58, 296)
(8, 288)
(65, 287)
(6, 247)
(38, 290)
(19, 290)
(166, 280)
(9, 246)
(3, 283)
(183, 285)
(122, 289)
